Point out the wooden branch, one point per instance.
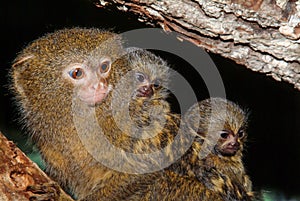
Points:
(21, 179)
(262, 35)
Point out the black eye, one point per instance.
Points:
(104, 66)
(157, 84)
(140, 77)
(76, 73)
(241, 133)
(224, 134)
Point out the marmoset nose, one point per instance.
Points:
(235, 143)
(101, 84)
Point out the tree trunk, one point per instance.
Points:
(262, 35)
(21, 179)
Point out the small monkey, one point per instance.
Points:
(145, 91)
(222, 135)
(140, 123)
(56, 76)
(212, 169)
(71, 89)
(63, 84)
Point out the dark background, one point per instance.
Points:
(272, 157)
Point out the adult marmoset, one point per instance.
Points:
(64, 83)
(54, 78)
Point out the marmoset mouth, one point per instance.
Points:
(95, 99)
(230, 150)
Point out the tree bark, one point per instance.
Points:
(21, 179)
(262, 35)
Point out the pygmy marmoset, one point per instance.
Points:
(55, 78)
(98, 114)
(63, 84)
(212, 169)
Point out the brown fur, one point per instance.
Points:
(58, 122)
(202, 173)
(149, 118)
(45, 100)
(69, 134)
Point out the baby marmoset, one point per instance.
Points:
(212, 169)
(139, 128)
